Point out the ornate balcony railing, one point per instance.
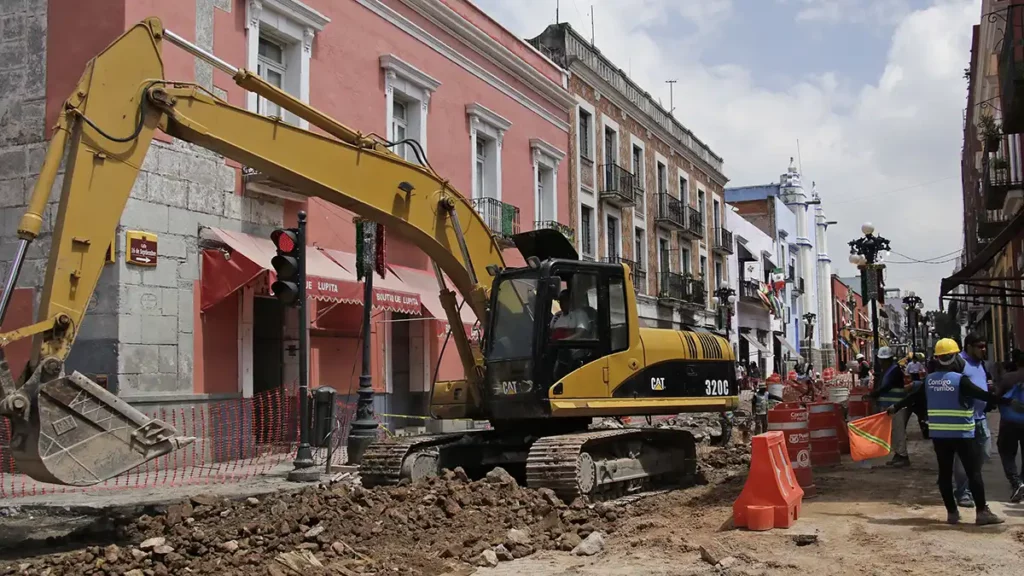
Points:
(723, 240)
(749, 291)
(501, 217)
(618, 185)
(694, 222)
(671, 212)
(555, 225)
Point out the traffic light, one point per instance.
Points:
(288, 264)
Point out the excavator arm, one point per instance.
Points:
(65, 428)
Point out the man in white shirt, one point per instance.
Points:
(570, 322)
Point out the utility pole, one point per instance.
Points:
(557, 20)
(671, 106)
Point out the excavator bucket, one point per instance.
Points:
(69, 430)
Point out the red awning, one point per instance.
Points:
(425, 283)
(327, 278)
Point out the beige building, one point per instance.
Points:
(646, 191)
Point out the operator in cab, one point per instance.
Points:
(570, 321)
(950, 396)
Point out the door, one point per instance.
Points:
(402, 401)
(267, 364)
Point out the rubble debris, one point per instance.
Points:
(593, 544)
(805, 539)
(487, 558)
(502, 553)
(713, 553)
(430, 527)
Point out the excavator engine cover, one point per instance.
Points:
(69, 430)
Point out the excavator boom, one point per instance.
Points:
(65, 428)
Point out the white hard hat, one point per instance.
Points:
(860, 356)
(884, 353)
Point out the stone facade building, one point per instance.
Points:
(646, 190)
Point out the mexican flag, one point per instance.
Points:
(778, 280)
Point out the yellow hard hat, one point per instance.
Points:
(946, 346)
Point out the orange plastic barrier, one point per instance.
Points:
(870, 437)
(824, 425)
(790, 418)
(771, 485)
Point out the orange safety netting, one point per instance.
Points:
(870, 436)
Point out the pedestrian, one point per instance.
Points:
(974, 352)
(863, 371)
(1011, 426)
(918, 371)
(951, 395)
(887, 393)
(761, 403)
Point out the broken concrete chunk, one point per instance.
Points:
(487, 558)
(590, 546)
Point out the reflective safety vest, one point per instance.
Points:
(892, 396)
(949, 416)
(1007, 413)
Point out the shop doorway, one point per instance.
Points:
(268, 369)
(401, 398)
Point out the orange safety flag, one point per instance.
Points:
(869, 437)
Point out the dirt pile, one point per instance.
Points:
(427, 528)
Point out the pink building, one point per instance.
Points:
(491, 113)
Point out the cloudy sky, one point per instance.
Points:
(872, 89)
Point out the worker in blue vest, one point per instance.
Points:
(888, 392)
(1011, 426)
(950, 396)
(974, 353)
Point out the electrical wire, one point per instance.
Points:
(911, 187)
(930, 260)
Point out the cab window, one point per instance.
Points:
(617, 314)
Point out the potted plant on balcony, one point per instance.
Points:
(991, 132)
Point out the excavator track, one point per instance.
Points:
(386, 462)
(608, 464)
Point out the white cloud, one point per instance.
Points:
(861, 144)
(857, 11)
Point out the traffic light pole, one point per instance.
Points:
(304, 470)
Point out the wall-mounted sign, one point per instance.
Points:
(141, 248)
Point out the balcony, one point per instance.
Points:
(1001, 182)
(798, 285)
(694, 291)
(749, 292)
(1011, 71)
(674, 288)
(501, 218)
(618, 186)
(636, 271)
(694, 221)
(723, 241)
(991, 223)
(671, 212)
(554, 225)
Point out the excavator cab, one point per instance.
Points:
(548, 320)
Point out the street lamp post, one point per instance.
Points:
(727, 297)
(912, 304)
(866, 253)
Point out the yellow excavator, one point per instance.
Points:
(562, 342)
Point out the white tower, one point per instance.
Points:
(792, 191)
(824, 330)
